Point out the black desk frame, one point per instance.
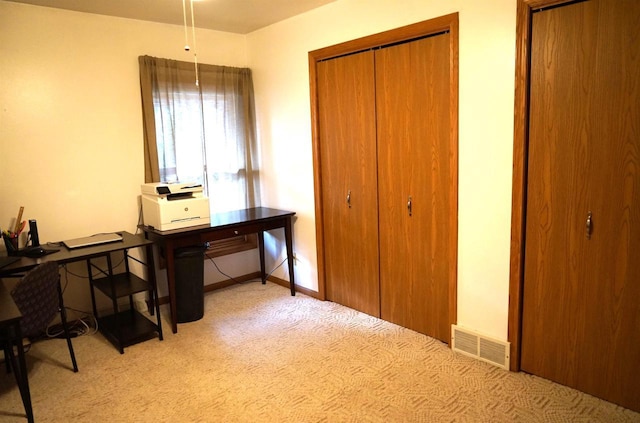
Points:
(224, 225)
(126, 327)
(110, 284)
(10, 317)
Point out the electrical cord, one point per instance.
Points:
(86, 325)
(69, 272)
(251, 280)
(139, 218)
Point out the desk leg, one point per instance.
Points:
(151, 275)
(263, 272)
(288, 235)
(20, 372)
(154, 303)
(171, 282)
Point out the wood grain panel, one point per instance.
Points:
(558, 190)
(613, 320)
(376, 41)
(414, 147)
(581, 297)
(347, 137)
(393, 36)
(518, 202)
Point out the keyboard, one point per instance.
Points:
(88, 241)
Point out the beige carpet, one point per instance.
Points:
(260, 355)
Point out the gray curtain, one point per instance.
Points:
(201, 133)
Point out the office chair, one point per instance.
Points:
(38, 296)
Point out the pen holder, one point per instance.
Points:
(11, 242)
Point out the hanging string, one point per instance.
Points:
(195, 47)
(193, 35)
(184, 19)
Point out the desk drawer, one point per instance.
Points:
(246, 228)
(224, 234)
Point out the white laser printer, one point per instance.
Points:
(167, 206)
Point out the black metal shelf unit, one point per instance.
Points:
(125, 326)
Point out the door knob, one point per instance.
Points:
(589, 224)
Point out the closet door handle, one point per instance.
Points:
(589, 224)
(349, 198)
(409, 206)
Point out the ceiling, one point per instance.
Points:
(238, 16)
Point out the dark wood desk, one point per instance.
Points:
(121, 328)
(10, 328)
(224, 225)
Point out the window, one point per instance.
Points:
(202, 133)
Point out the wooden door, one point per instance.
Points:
(414, 174)
(581, 294)
(347, 133)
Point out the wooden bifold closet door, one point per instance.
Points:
(412, 103)
(347, 126)
(581, 290)
(386, 162)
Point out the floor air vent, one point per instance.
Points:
(479, 346)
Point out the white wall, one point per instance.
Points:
(278, 56)
(71, 131)
(71, 147)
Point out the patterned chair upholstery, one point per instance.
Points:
(38, 295)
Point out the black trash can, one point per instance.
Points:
(189, 277)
